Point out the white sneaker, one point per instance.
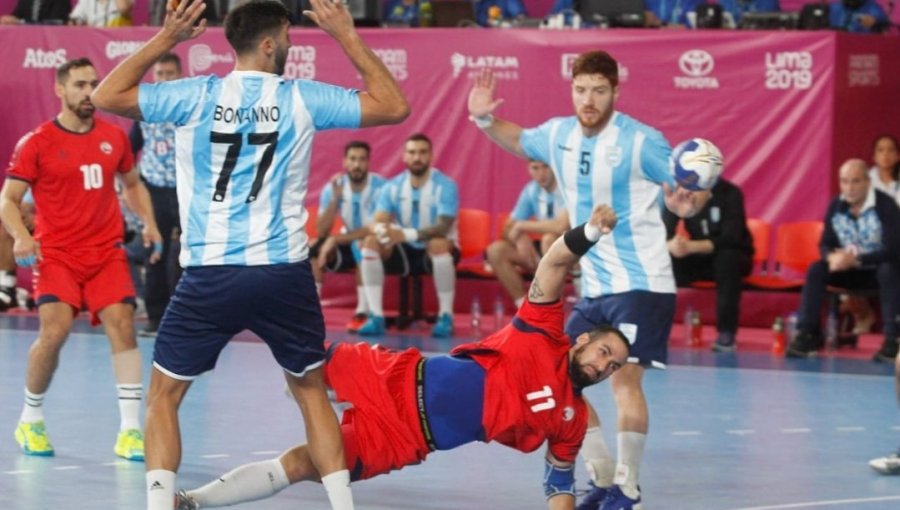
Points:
(888, 465)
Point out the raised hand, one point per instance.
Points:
(481, 97)
(181, 16)
(604, 218)
(331, 16)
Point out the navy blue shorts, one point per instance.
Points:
(644, 317)
(212, 304)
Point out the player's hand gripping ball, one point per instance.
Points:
(696, 164)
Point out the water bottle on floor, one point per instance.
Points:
(499, 310)
(476, 317)
(831, 330)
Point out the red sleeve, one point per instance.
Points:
(126, 164)
(23, 164)
(547, 317)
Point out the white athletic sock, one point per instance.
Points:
(373, 280)
(600, 464)
(520, 301)
(444, 281)
(8, 279)
(337, 485)
(127, 370)
(362, 305)
(33, 410)
(129, 405)
(631, 451)
(160, 489)
(249, 482)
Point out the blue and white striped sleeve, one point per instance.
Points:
(655, 152)
(325, 197)
(536, 141)
(448, 202)
(524, 208)
(171, 101)
(385, 201)
(330, 106)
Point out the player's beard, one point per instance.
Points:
(419, 169)
(599, 120)
(83, 110)
(357, 176)
(281, 55)
(577, 374)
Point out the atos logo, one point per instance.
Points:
(697, 66)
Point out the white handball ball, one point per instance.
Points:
(696, 164)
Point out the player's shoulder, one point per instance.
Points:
(532, 188)
(440, 177)
(623, 120)
(376, 180)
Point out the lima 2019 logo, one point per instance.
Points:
(201, 58)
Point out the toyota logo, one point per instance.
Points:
(696, 63)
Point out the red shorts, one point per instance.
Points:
(96, 277)
(381, 431)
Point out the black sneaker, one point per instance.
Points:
(724, 343)
(887, 353)
(804, 345)
(149, 330)
(7, 298)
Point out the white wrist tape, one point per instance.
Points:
(484, 121)
(410, 235)
(591, 232)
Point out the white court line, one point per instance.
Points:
(65, 468)
(116, 463)
(686, 433)
(796, 431)
(834, 502)
(216, 456)
(741, 432)
(17, 472)
(265, 452)
(895, 427)
(850, 429)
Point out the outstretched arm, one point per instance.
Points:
(550, 277)
(481, 110)
(118, 92)
(382, 102)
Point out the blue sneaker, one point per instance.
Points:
(443, 327)
(373, 326)
(594, 497)
(617, 500)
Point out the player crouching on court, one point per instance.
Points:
(520, 387)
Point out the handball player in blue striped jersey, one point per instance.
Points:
(601, 156)
(242, 149)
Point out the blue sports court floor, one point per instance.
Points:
(732, 432)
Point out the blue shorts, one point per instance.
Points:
(644, 317)
(212, 304)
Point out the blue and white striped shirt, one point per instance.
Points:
(538, 203)
(624, 166)
(356, 208)
(243, 146)
(156, 143)
(420, 207)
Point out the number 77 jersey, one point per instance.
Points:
(528, 394)
(242, 151)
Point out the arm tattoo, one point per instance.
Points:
(535, 292)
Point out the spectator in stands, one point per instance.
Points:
(352, 196)
(414, 232)
(156, 144)
(102, 13)
(412, 13)
(541, 210)
(737, 8)
(858, 16)
(492, 12)
(38, 12)
(860, 248)
(884, 177)
(720, 248)
(669, 13)
(211, 14)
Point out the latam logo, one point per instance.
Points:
(789, 70)
(36, 58)
(395, 59)
(116, 49)
(568, 60)
(696, 67)
(301, 63)
(201, 58)
(503, 67)
(864, 70)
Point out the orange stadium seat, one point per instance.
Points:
(796, 247)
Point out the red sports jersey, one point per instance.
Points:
(528, 396)
(72, 180)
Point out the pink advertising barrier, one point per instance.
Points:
(783, 106)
